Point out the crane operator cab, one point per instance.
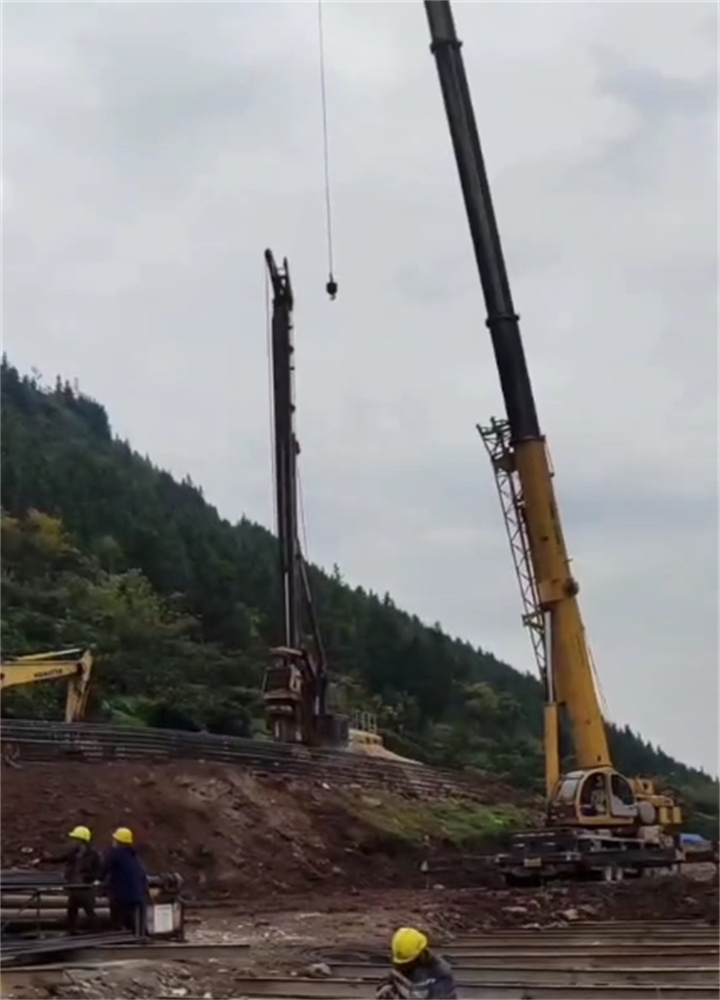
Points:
(600, 797)
(597, 797)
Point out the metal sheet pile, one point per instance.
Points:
(18, 951)
(39, 740)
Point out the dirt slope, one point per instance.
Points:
(228, 831)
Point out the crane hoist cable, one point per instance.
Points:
(303, 522)
(331, 286)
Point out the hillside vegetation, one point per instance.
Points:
(102, 548)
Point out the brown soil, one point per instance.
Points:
(226, 831)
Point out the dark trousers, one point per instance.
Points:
(127, 917)
(80, 899)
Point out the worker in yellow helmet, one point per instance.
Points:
(82, 865)
(126, 883)
(416, 970)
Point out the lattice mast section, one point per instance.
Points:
(497, 440)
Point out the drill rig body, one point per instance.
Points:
(296, 683)
(592, 809)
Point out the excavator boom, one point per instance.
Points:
(73, 664)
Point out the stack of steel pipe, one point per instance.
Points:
(40, 898)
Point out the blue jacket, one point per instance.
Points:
(124, 875)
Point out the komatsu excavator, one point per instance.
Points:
(599, 823)
(73, 664)
(296, 684)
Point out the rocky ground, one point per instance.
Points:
(290, 941)
(371, 916)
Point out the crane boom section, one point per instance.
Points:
(572, 683)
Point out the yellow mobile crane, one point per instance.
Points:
(598, 822)
(74, 664)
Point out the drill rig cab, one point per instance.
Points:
(597, 820)
(296, 684)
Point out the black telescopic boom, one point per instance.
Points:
(286, 447)
(502, 320)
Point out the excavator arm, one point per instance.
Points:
(73, 664)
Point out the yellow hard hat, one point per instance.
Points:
(123, 836)
(407, 945)
(80, 833)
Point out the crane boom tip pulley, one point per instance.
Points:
(280, 280)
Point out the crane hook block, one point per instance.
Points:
(331, 288)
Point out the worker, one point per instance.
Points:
(81, 872)
(416, 970)
(125, 881)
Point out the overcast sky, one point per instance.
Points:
(152, 152)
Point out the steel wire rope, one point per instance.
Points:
(331, 285)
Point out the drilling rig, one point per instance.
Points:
(599, 823)
(296, 684)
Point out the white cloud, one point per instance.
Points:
(153, 151)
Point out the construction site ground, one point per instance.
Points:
(292, 866)
(285, 941)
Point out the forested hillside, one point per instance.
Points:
(102, 548)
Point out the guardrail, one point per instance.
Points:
(30, 740)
